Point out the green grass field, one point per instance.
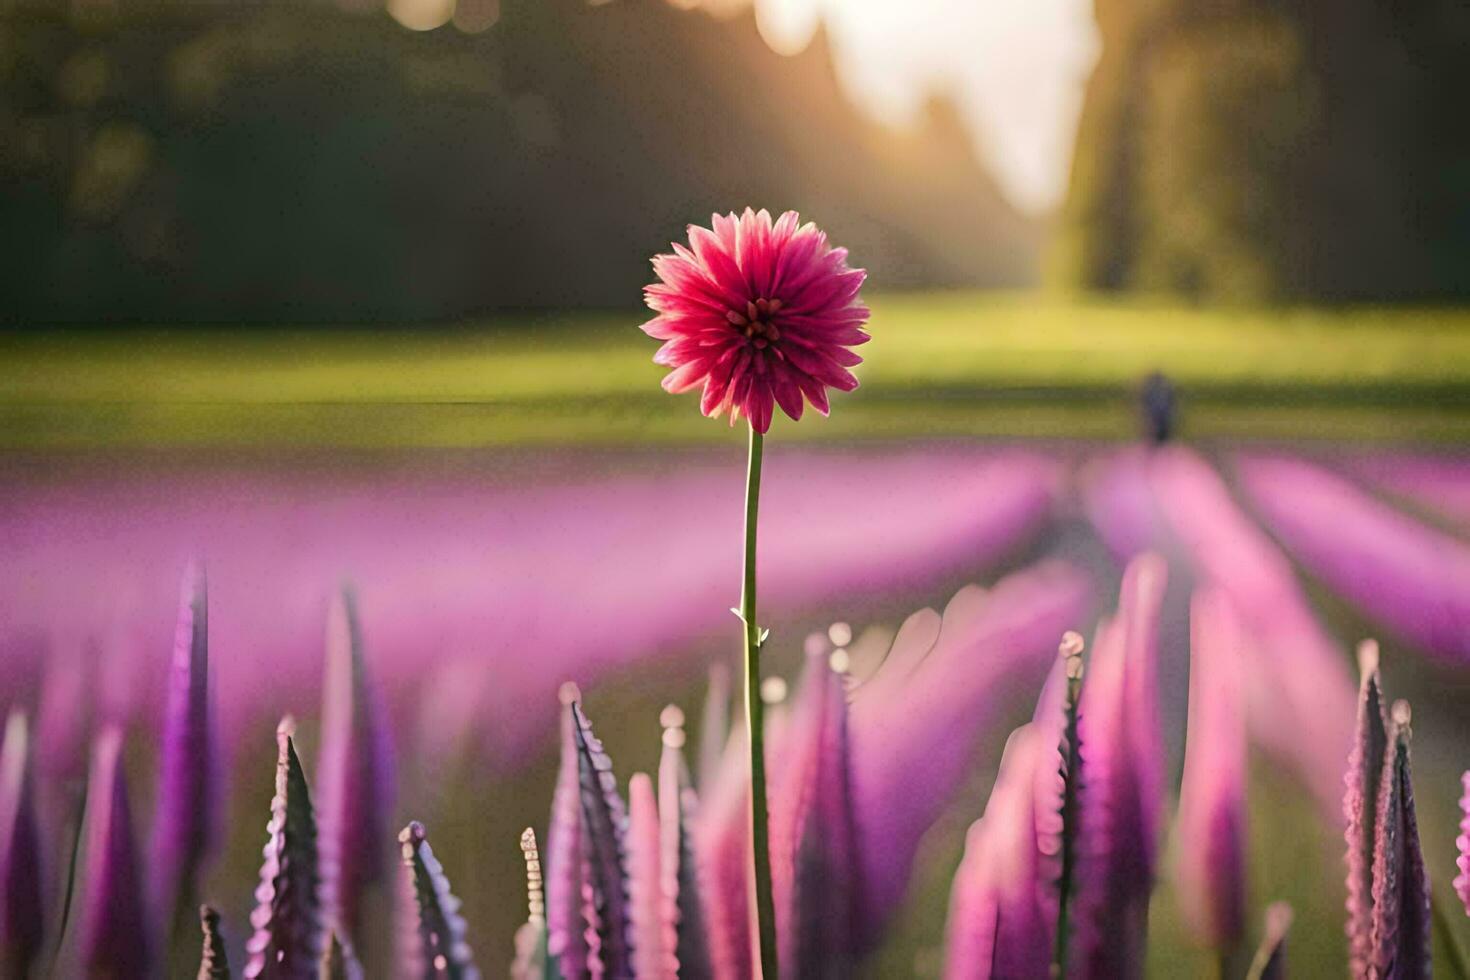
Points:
(939, 364)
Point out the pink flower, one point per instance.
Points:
(759, 314)
(1462, 843)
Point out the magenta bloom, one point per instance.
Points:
(759, 314)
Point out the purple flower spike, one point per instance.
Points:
(813, 854)
(532, 962)
(652, 958)
(185, 825)
(1210, 873)
(1401, 917)
(1462, 880)
(1270, 959)
(677, 806)
(1409, 577)
(945, 682)
(722, 843)
(22, 928)
(356, 780)
(443, 953)
(1360, 806)
(114, 928)
(287, 917)
(999, 926)
(565, 938)
(604, 823)
(214, 962)
(1122, 752)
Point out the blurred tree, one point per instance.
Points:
(296, 162)
(1274, 149)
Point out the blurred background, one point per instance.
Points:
(326, 289)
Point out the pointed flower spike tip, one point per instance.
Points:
(22, 929)
(531, 959)
(1400, 944)
(604, 823)
(339, 962)
(287, 918)
(444, 951)
(1270, 959)
(114, 929)
(565, 933)
(214, 963)
(356, 778)
(1462, 844)
(1360, 804)
(185, 825)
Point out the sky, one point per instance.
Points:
(1016, 67)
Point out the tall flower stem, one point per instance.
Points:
(765, 906)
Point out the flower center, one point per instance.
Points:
(757, 321)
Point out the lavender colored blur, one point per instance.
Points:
(1210, 828)
(114, 940)
(184, 824)
(22, 927)
(462, 570)
(945, 683)
(1298, 695)
(1122, 780)
(999, 921)
(355, 782)
(1410, 578)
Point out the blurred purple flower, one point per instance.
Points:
(565, 863)
(999, 924)
(114, 927)
(653, 959)
(287, 943)
(1462, 843)
(946, 681)
(1400, 943)
(814, 858)
(1122, 781)
(1440, 483)
(1412, 579)
(1211, 823)
(433, 597)
(22, 927)
(1297, 692)
(339, 961)
(722, 845)
(355, 781)
(1360, 805)
(185, 824)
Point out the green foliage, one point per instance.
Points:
(177, 161)
(1265, 150)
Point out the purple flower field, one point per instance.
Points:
(476, 587)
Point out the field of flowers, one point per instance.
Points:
(448, 557)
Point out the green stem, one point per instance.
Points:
(765, 906)
(1451, 940)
